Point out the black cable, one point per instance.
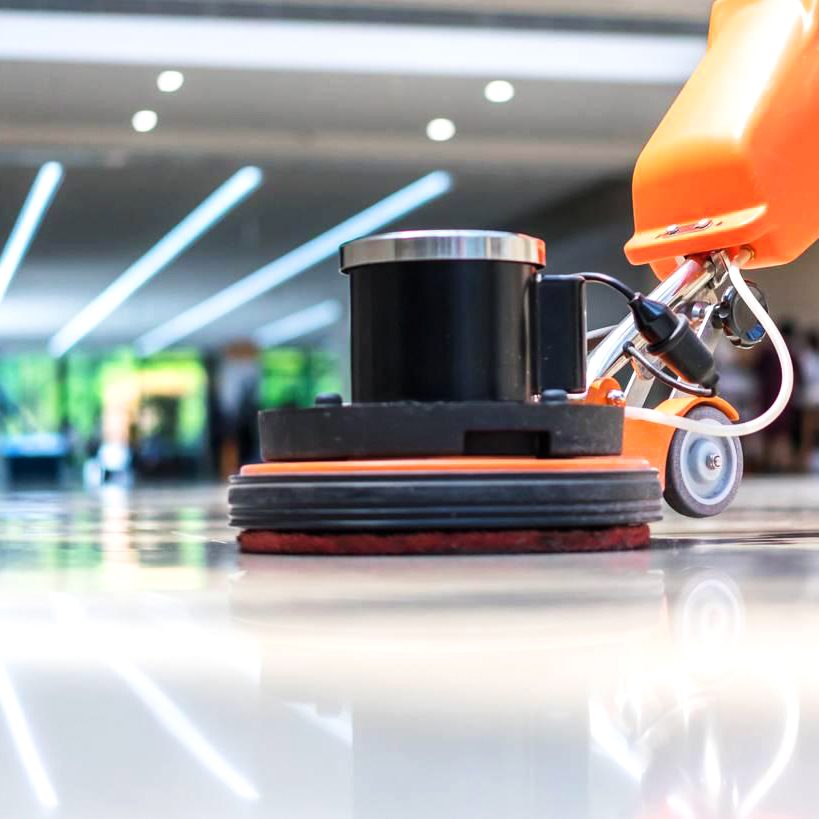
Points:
(630, 351)
(604, 278)
(670, 337)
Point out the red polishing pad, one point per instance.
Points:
(507, 541)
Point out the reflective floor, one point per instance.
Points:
(148, 670)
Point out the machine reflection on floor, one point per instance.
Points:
(146, 668)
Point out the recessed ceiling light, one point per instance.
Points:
(144, 121)
(499, 91)
(440, 129)
(170, 81)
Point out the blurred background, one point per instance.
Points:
(175, 176)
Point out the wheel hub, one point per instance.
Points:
(708, 467)
(706, 459)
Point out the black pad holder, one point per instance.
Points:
(463, 501)
(403, 430)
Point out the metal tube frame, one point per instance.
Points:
(694, 279)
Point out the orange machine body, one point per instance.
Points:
(450, 465)
(734, 162)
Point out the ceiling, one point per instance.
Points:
(329, 143)
(653, 13)
(653, 9)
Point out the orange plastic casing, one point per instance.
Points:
(735, 161)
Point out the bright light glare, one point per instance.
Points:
(37, 202)
(609, 740)
(787, 745)
(180, 726)
(198, 222)
(340, 727)
(679, 807)
(350, 48)
(308, 255)
(499, 91)
(440, 129)
(73, 617)
(144, 121)
(296, 325)
(24, 743)
(170, 81)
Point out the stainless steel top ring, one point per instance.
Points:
(437, 245)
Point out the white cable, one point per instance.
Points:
(767, 417)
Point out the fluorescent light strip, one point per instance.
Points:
(609, 739)
(72, 616)
(181, 727)
(296, 325)
(195, 225)
(305, 256)
(24, 743)
(42, 193)
(359, 48)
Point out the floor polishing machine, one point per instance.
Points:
(479, 421)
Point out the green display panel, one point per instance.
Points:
(293, 377)
(29, 395)
(170, 383)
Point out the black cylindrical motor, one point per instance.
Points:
(461, 315)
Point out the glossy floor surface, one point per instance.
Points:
(148, 670)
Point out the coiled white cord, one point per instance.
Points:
(785, 390)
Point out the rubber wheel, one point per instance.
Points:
(702, 473)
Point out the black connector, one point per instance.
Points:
(630, 351)
(673, 341)
(669, 336)
(611, 281)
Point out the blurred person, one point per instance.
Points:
(238, 379)
(809, 397)
(739, 385)
(152, 437)
(737, 379)
(809, 361)
(781, 440)
(106, 461)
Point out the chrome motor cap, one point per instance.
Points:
(438, 245)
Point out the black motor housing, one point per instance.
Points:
(444, 326)
(461, 316)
